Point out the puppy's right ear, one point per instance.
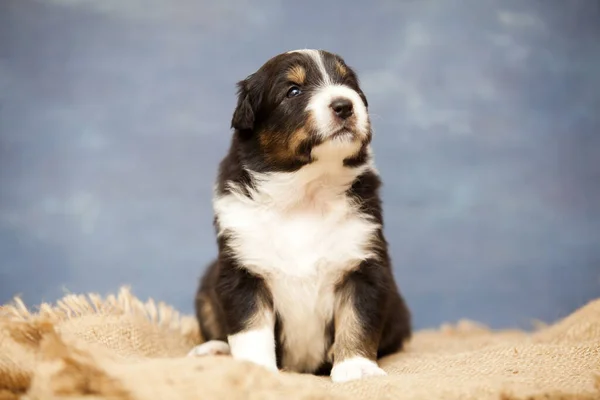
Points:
(247, 104)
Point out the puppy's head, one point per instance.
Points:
(296, 102)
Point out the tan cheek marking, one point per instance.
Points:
(296, 140)
(341, 69)
(269, 142)
(297, 74)
(277, 149)
(272, 146)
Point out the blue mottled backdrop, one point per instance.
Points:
(115, 113)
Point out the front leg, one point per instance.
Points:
(249, 316)
(359, 320)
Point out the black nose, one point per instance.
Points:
(342, 107)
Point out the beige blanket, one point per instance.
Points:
(121, 348)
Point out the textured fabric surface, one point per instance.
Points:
(122, 348)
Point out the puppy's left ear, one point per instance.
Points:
(244, 116)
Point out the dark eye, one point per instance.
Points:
(294, 91)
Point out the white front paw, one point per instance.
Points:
(210, 348)
(355, 368)
(256, 346)
(265, 363)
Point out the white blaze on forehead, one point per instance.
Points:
(317, 58)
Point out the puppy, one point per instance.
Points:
(303, 280)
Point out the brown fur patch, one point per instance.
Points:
(341, 69)
(296, 140)
(272, 145)
(297, 74)
(278, 148)
(350, 339)
(209, 316)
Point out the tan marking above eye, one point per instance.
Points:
(297, 74)
(341, 68)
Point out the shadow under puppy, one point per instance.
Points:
(303, 280)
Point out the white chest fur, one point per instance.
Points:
(301, 233)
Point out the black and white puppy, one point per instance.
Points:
(303, 280)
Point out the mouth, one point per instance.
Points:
(343, 132)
